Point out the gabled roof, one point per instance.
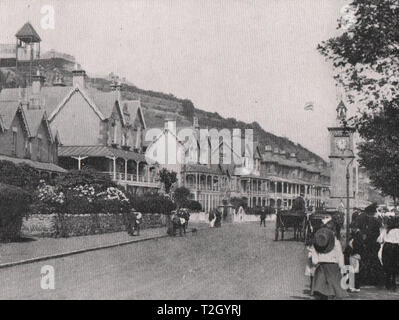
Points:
(8, 111)
(55, 98)
(28, 32)
(85, 95)
(134, 109)
(35, 118)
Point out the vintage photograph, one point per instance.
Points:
(199, 150)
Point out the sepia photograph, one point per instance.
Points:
(199, 154)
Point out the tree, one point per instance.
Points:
(188, 108)
(180, 196)
(168, 178)
(365, 58)
(380, 153)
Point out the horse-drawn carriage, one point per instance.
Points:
(290, 219)
(304, 224)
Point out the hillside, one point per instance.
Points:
(157, 106)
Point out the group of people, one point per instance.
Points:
(179, 221)
(132, 221)
(370, 256)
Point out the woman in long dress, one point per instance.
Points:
(326, 254)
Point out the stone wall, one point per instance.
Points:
(53, 225)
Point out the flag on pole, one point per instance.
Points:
(309, 106)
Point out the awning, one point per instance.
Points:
(44, 166)
(99, 151)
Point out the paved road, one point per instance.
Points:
(234, 262)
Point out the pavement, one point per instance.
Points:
(39, 249)
(237, 261)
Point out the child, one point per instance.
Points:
(326, 254)
(353, 255)
(310, 267)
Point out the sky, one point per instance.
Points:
(252, 60)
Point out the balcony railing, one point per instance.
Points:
(134, 180)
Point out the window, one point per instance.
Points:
(39, 148)
(138, 137)
(115, 133)
(14, 140)
(27, 149)
(123, 139)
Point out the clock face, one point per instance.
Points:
(341, 144)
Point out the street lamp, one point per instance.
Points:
(348, 197)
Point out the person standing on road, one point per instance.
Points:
(128, 220)
(138, 218)
(326, 254)
(389, 252)
(263, 217)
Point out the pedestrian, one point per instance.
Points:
(128, 220)
(326, 254)
(212, 219)
(138, 218)
(218, 221)
(263, 217)
(389, 252)
(353, 254)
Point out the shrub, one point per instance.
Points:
(20, 175)
(180, 196)
(151, 203)
(193, 205)
(87, 176)
(14, 205)
(78, 199)
(239, 202)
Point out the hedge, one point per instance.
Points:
(20, 175)
(152, 203)
(14, 205)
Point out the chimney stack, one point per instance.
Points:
(78, 77)
(37, 83)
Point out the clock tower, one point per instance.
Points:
(341, 161)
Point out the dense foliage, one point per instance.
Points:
(152, 203)
(181, 197)
(168, 178)
(239, 202)
(20, 175)
(14, 205)
(193, 205)
(365, 57)
(78, 192)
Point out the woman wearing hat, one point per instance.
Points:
(326, 254)
(389, 252)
